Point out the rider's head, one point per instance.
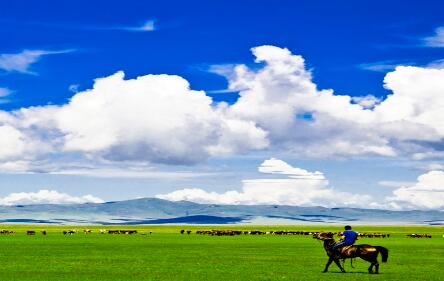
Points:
(347, 227)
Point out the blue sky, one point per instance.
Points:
(54, 50)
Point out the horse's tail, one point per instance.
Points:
(384, 253)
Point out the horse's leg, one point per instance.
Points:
(372, 260)
(376, 267)
(339, 265)
(330, 260)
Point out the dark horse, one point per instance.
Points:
(366, 252)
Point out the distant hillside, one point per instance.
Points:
(158, 211)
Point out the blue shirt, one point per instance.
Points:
(350, 236)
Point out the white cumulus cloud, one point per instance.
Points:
(276, 166)
(300, 187)
(426, 193)
(45, 196)
(154, 118)
(12, 142)
(407, 122)
(161, 119)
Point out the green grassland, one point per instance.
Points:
(167, 255)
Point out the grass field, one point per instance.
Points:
(168, 255)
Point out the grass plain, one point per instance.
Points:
(167, 255)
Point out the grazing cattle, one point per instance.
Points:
(102, 231)
(30, 232)
(5, 231)
(188, 231)
(255, 232)
(120, 231)
(182, 231)
(87, 231)
(220, 232)
(43, 232)
(374, 235)
(283, 232)
(418, 235)
(70, 232)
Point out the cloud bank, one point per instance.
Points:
(160, 119)
(45, 196)
(300, 187)
(426, 193)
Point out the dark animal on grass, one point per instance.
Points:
(188, 231)
(366, 252)
(43, 232)
(182, 231)
(30, 232)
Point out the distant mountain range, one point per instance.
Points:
(158, 211)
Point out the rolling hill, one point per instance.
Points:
(158, 211)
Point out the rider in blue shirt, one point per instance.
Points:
(350, 237)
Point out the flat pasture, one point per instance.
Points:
(165, 254)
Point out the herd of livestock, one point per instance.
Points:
(75, 231)
(278, 232)
(419, 235)
(220, 232)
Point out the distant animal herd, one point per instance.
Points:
(75, 231)
(417, 235)
(218, 232)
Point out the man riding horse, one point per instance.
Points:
(350, 238)
(364, 251)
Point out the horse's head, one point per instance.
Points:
(323, 236)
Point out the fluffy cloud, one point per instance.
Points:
(46, 197)
(21, 62)
(300, 187)
(160, 119)
(426, 193)
(367, 102)
(276, 166)
(406, 122)
(153, 118)
(27, 134)
(12, 142)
